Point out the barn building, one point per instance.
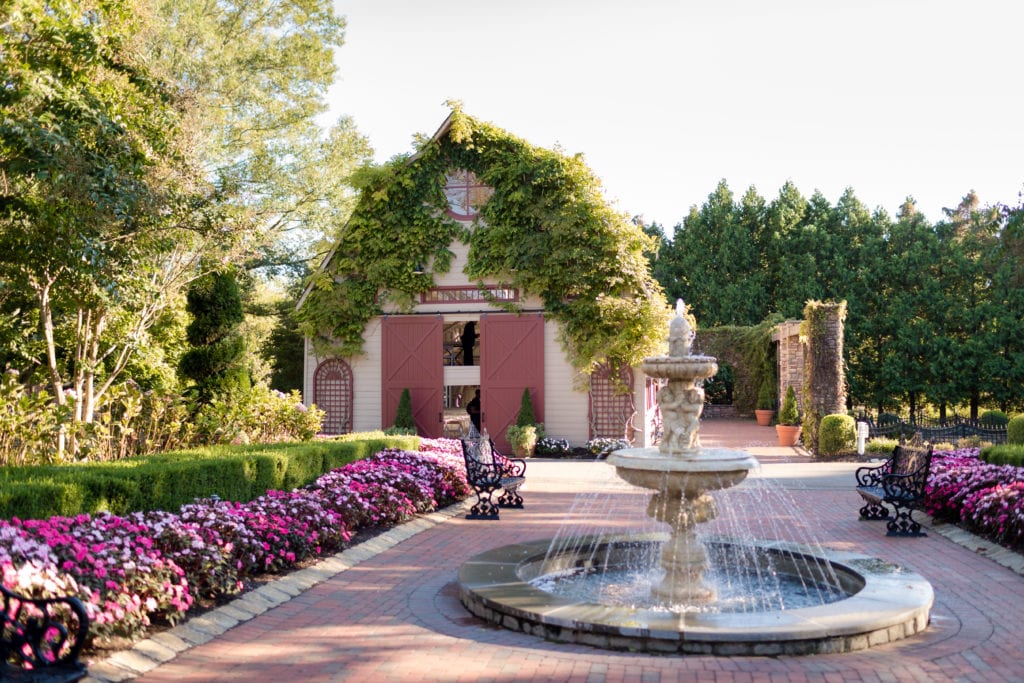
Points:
(463, 334)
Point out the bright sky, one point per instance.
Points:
(664, 98)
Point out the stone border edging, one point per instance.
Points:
(146, 655)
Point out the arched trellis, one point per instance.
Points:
(611, 403)
(333, 393)
(734, 346)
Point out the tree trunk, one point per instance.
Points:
(56, 381)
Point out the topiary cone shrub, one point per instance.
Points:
(765, 404)
(526, 417)
(403, 414)
(788, 428)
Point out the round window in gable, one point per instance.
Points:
(466, 194)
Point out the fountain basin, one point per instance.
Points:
(885, 603)
(708, 469)
(688, 367)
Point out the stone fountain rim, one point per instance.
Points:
(701, 460)
(894, 603)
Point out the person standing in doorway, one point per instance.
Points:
(468, 339)
(473, 408)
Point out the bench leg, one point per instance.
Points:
(873, 511)
(903, 524)
(483, 508)
(510, 498)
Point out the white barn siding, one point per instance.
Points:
(366, 379)
(565, 408)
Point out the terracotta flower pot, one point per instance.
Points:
(764, 417)
(788, 434)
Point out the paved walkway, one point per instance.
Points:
(387, 609)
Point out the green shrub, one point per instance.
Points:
(258, 415)
(836, 433)
(881, 446)
(765, 397)
(169, 480)
(403, 414)
(994, 418)
(788, 414)
(1015, 430)
(526, 416)
(1007, 454)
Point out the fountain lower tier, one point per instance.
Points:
(884, 603)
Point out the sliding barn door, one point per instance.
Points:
(511, 359)
(412, 349)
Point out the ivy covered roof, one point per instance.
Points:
(546, 230)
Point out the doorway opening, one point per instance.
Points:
(458, 401)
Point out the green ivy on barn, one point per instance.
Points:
(546, 230)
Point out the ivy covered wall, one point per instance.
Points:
(546, 230)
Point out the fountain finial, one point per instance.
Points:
(680, 333)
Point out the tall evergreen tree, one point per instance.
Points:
(696, 258)
(216, 360)
(788, 268)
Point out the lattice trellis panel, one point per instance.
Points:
(611, 403)
(332, 393)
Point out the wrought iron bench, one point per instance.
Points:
(900, 481)
(41, 638)
(487, 470)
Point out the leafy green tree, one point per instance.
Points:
(101, 205)
(260, 70)
(216, 360)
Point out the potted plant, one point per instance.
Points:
(788, 428)
(523, 439)
(765, 405)
(523, 435)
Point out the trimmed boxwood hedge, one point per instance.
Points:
(166, 481)
(1005, 454)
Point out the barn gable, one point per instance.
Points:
(481, 237)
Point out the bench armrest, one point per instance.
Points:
(872, 476)
(905, 486)
(42, 633)
(515, 467)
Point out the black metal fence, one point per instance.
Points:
(932, 430)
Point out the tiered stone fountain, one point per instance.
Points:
(875, 602)
(679, 471)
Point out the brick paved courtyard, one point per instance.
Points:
(394, 615)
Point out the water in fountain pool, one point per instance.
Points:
(745, 576)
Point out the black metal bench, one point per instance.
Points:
(487, 470)
(41, 639)
(899, 481)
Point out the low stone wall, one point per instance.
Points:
(719, 412)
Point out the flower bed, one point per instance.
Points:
(150, 567)
(985, 499)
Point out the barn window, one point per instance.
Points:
(611, 403)
(466, 194)
(332, 393)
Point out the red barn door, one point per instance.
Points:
(511, 359)
(412, 349)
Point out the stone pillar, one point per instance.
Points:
(824, 377)
(790, 360)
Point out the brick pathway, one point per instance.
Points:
(394, 615)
